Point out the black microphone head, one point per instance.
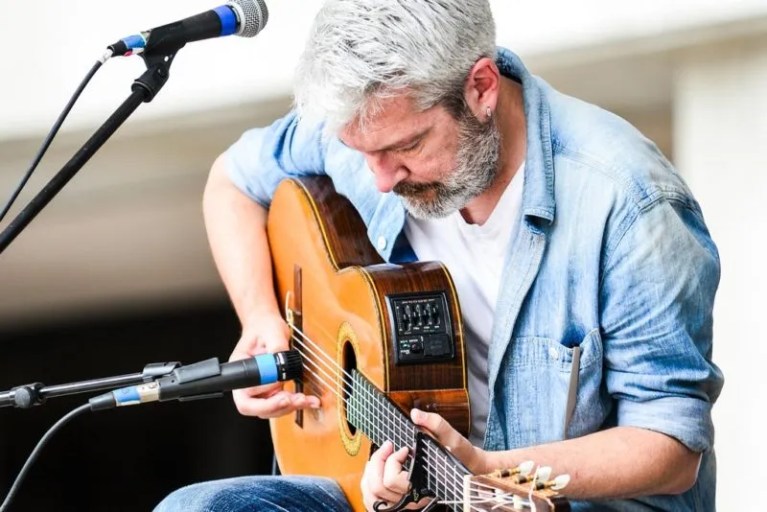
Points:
(289, 364)
(253, 16)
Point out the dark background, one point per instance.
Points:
(128, 458)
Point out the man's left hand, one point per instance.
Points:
(475, 459)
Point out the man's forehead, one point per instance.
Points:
(396, 122)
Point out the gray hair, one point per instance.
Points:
(362, 51)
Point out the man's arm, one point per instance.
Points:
(620, 462)
(236, 227)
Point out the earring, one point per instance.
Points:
(489, 113)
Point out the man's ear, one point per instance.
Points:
(482, 88)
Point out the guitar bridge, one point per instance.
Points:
(294, 318)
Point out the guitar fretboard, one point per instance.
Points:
(370, 411)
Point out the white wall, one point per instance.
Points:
(720, 138)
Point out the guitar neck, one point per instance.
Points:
(370, 411)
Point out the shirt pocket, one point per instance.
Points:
(537, 382)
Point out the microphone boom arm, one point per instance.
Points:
(29, 395)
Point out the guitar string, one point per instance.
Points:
(441, 462)
(397, 430)
(338, 395)
(322, 375)
(378, 429)
(479, 486)
(441, 458)
(398, 434)
(456, 486)
(440, 455)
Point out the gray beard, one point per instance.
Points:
(476, 167)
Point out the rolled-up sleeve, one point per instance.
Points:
(262, 157)
(656, 299)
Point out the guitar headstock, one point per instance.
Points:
(512, 490)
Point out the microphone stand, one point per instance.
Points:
(29, 395)
(144, 89)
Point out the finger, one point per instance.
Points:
(276, 405)
(381, 454)
(300, 400)
(394, 478)
(474, 458)
(438, 427)
(373, 488)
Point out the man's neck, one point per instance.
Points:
(510, 116)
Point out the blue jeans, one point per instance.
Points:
(258, 493)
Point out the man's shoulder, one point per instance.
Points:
(603, 145)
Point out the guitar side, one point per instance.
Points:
(338, 292)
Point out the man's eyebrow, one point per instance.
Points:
(407, 141)
(399, 144)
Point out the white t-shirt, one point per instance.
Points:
(474, 254)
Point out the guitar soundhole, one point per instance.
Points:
(349, 364)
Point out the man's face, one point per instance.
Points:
(437, 164)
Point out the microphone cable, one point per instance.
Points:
(52, 133)
(36, 452)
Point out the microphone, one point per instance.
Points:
(206, 379)
(244, 18)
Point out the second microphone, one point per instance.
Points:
(206, 379)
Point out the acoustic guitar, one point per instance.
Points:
(376, 340)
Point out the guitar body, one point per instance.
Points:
(337, 291)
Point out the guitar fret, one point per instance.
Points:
(392, 424)
(377, 417)
(446, 490)
(380, 420)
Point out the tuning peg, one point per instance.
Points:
(522, 470)
(525, 468)
(542, 474)
(559, 482)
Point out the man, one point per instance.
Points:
(583, 265)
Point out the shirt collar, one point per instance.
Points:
(538, 191)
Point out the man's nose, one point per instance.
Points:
(388, 171)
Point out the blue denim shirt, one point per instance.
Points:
(612, 256)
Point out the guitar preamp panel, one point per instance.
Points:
(422, 327)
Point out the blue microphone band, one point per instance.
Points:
(267, 368)
(127, 396)
(134, 42)
(228, 19)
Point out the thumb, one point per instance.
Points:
(437, 426)
(448, 437)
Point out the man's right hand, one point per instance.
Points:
(267, 335)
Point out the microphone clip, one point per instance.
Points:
(194, 372)
(156, 74)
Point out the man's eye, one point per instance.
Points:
(411, 147)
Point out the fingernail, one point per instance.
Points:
(284, 402)
(416, 414)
